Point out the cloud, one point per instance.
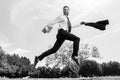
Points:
(5, 45)
(19, 51)
(103, 35)
(9, 49)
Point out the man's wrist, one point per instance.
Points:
(82, 23)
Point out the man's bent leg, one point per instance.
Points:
(52, 50)
(56, 46)
(76, 40)
(76, 46)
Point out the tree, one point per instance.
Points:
(111, 68)
(2, 55)
(63, 56)
(13, 65)
(90, 68)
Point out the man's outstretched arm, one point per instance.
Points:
(49, 26)
(84, 23)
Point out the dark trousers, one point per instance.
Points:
(61, 37)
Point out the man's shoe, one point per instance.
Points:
(73, 57)
(36, 61)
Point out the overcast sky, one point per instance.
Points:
(21, 22)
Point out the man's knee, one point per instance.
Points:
(54, 49)
(77, 39)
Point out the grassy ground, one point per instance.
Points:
(82, 78)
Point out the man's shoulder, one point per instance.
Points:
(61, 16)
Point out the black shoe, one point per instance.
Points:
(36, 61)
(73, 57)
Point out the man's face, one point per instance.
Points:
(66, 10)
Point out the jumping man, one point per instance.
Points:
(64, 33)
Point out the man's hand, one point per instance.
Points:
(82, 23)
(46, 29)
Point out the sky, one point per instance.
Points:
(21, 22)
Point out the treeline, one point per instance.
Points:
(92, 68)
(14, 66)
(88, 68)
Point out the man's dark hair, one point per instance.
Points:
(65, 7)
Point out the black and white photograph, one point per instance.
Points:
(59, 40)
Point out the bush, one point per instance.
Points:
(90, 68)
(111, 68)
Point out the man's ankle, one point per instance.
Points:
(74, 55)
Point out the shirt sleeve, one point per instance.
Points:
(75, 23)
(57, 20)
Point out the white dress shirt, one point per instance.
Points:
(62, 21)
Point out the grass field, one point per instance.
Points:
(82, 78)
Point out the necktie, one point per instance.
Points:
(69, 24)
